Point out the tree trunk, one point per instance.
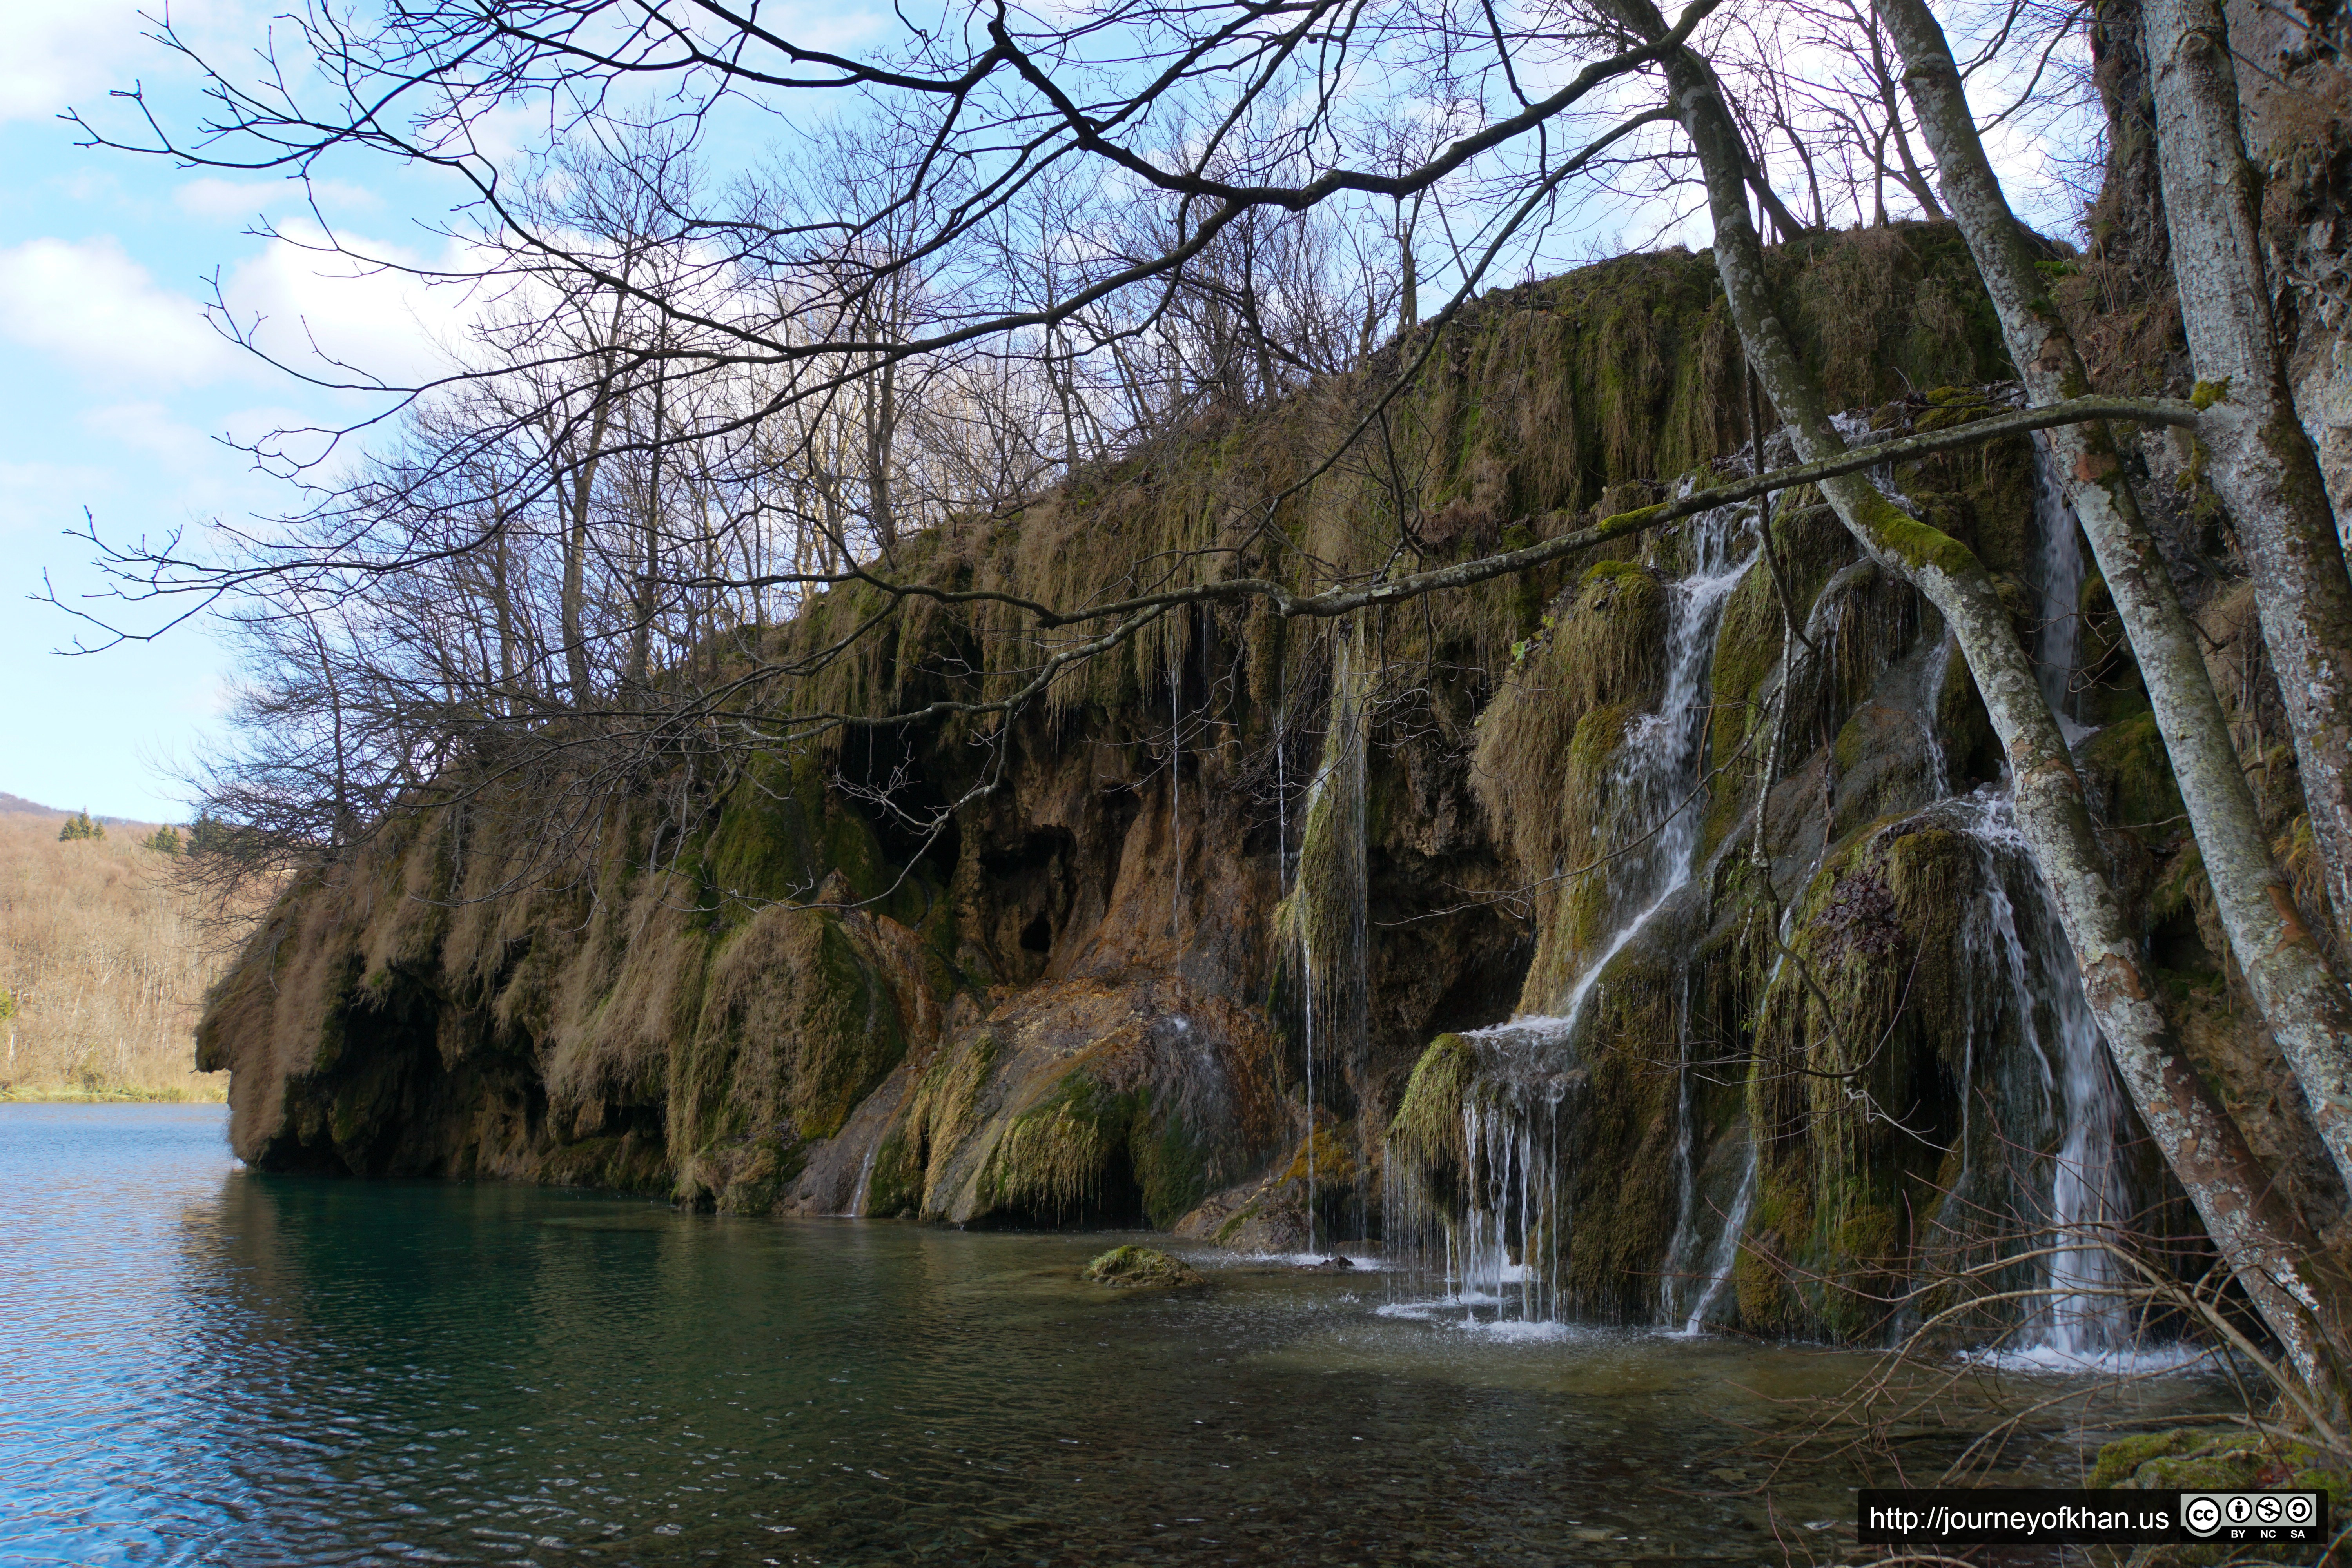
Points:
(582, 492)
(881, 438)
(1408, 277)
(641, 636)
(2261, 462)
(2303, 1298)
(2308, 1011)
(1913, 180)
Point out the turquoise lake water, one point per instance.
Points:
(200, 1364)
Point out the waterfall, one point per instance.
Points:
(2034, 1039)
(1684, 1240)
(1505, 1249)
(1727, 1244)
(865, 1188)
(1931, 703)
(2039, 1168)
(1656, 774)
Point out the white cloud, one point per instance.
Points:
(101, 317)
(345, 320)
(68, 54)
(61, 52)
(151, 428)
(99, 314)
(38, 499)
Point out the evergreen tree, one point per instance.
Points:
(80, 824)
(165, 841)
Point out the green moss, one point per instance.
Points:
(1426, 1133)
(896, 1185)
(781, 831)
(1915, 543)
(2120, 1460)
(2129, 758)
(1948, 406)
(2200, 1460)
(1051, 1162)
(1141, 1268)
(792, 1024)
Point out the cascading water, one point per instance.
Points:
(865, 1189)
(2050, 1117)
(1504, 1250)
(2080, 1193)
(2036, 1054)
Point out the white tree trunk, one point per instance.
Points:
(2262, 463)
(2305, 1007)
(2304, 1298)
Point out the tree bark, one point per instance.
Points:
(574, 593)
(2307, 1009)
(641, 636)
(2303, 1298)
(2261, 462)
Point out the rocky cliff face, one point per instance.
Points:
(1230, 939)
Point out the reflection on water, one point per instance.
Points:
(201, 1366)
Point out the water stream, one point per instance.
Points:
(2057, 583)
(2042, 1120)
(2041, 1063)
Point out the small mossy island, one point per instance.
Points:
(1244, 987)
(1141, 1268)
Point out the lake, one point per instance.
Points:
(202, 1365)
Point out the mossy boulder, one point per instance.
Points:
(2199, 1459)
(1141, 1268)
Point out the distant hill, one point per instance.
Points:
(18, 806)
(103, 962)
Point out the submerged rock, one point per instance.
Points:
(1141, 1266)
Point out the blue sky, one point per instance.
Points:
(117, 390)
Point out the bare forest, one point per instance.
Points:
(104, 959)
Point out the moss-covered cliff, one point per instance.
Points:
(1235, 853)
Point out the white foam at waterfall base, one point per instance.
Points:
(2131, 1360)
(1358, 1263)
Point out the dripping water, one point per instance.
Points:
(1726, 1256)
(1176, 788)
(865, 1189)
(1329, 903)
(1931, 704)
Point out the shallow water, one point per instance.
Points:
(199, 1364)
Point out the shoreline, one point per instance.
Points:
(66, 1094)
